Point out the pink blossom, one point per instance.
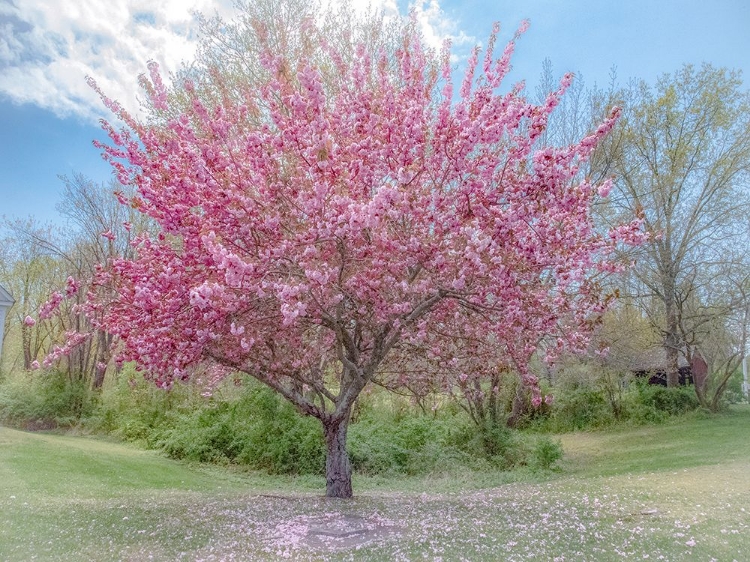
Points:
(29, 321)
(49, 307)
(71, 287)
(605, 188)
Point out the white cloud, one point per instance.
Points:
(48, 48)
(436, 26)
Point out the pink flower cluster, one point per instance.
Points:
(48, 308)
(71, 287)
(72, 341)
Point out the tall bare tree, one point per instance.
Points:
(681, 159)
(29, 273)
(227, 63)
(98, 229)
(724, 327)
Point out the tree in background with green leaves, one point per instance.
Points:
(681, 160)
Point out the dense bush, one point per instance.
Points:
(46, 400)
(246, 423)
(262, 431)
(251, 425)
(592, 407)
(133, 409)
(578, 409)
(545, 453)
(257, 429)
(671, 401)
(381, 443)
(734, 393)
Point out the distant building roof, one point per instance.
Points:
(655, 359)
(5, 298)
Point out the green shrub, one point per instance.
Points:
(277, 438)
(644, 414)
(134, 409)
(733, 394)
(43, 400)
(500, 445)
(578, 409)
(585, 407)
(545, 453)
(402, 443)
(405, 443)
(251, 425)
(203, 435)
(670, 401)
(258, 429)
(255, 427)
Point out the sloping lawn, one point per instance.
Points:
(679, 491)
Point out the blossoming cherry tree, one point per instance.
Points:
(319, 230)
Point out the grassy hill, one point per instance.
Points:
(679, 491)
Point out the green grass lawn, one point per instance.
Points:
(679, 491)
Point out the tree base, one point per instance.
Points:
(338, 468)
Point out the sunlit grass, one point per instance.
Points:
(693, 440)
(679, 491)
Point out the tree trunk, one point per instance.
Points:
(338, 468)
(26, 344)
(492, 404)
(99, 377)
(673, 367)
(518, 409)
(715, 404)
(671, 346)
(102, 356)
(700, 392)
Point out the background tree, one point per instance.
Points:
(580, 110)
(724, 329)
(227, 62)
(30, 274)
(681, 157)
(98, 229)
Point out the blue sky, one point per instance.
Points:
(48, 117)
